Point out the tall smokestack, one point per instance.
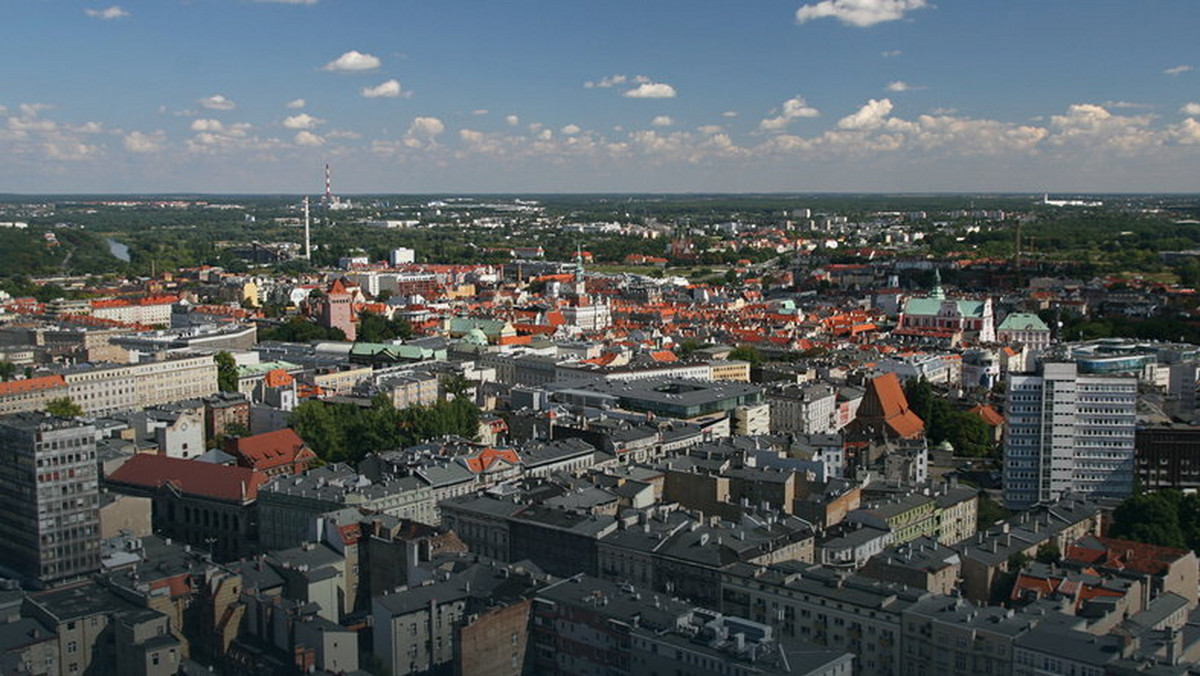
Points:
(307, 241)
(328, 188)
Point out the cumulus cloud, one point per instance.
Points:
(290, 2)
(1177, 70)
(480, 111)
(891, 53)
(302, 121)
(512, 120)
(570, 130)
(205, 124)
(871, 115)
(423, 131)
(1191, 108)
(296, 104)
(108, 14)
(651, 90)
(1094, 126)
(859, 13)
(662, 121)
(142, 143)
(729, 113)
(710, 129)
(307, 138)
(1187, 132)
(353, 61)
(606, 82)
(383, 90)
(217, 102)
(793, 109)
(898, 86)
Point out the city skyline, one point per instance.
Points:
(713, 96)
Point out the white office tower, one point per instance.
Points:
(1068, 432)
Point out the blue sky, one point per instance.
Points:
(600, 95)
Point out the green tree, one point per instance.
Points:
(227, 372)
(1152, 518)
(64, 407)
(1048, 552)
(747, 353)
(374, 328)
(455, 385)
(7, 370)
(990, 512)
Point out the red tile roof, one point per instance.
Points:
(489, 456)
(220, 482)
(896, 413)
(278, 378)
(989, 415)
(1124, 554)
(270, 450)
(31, 385)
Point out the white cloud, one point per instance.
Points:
(383, 90)
(290, 2)
(1094, 126)
(794, 108)
(891, 53)
(1177, 70)
(570, 130)
(142, 143)
(107, 14)
(296, 104)
(353, 61)
(1187, 132)
(860, 13)
(871, 115)
(898, 86)
(302, 121)
(205, 124)
(512, 120)
(422, 131)
(1190, 109)
(729, 113)
(480, 111)
(307, 138)
(662, 121)
(606, 82)
(1126, 104)
(217, 102)
(651, 90)
(709, 129)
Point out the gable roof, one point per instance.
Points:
(271, 449)
(220, 482)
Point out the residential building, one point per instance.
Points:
(1068, 432)
(49, 494)
(803, 409)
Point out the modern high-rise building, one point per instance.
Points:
(49, 495)
(1068, 432)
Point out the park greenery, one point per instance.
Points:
(339, 432)
(966, 431)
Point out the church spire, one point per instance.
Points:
(937, 292)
